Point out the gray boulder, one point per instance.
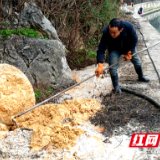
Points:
(33, 16)
(42, 61)
(7, 7)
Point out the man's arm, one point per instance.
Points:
(100, 53)
(101, 49)
(134, 40)
(128, 55)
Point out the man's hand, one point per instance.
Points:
(99, 70)
(128, 56)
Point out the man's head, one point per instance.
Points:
(115, 27)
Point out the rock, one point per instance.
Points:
(15, 22)
(16, 94)
(42, 61)
(32, 15)
(64, 98)
(124, 8)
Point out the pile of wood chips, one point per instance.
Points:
(16, 93)
(54, 124)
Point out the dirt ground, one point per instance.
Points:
(122, 114)
(126, 110)
(119, 110)
(79, 65)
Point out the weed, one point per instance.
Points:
(93, 41)
(149, 10)
(81, 59)
(38, 94)
(157, 30)
(41, 93)
(50, 90)
(55, 78)
(6, 24)
(46, 93)
(91, 54)
(46, 38)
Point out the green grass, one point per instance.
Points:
(150, 10)
(157, 30)
(22, 31)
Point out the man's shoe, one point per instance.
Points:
(115, 84)
(141, 77)
(117, 90)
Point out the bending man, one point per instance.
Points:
(119, 37)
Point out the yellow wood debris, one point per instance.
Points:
(52, 124)
(46, 122)
(16, 93)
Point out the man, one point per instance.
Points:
(140, 10)
(121, 1)
(120, 38)
(132, 2)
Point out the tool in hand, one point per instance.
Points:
(37, 105)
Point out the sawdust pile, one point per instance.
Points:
(3, 130)
(53, 124)
(4, 127)
(16, 93)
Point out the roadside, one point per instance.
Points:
(148, 7)
(138, 119)
(112, 141)
(151, 36)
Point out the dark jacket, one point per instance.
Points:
(127, 42)
(140, 10)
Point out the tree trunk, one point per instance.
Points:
(0, 9)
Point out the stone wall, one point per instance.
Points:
(146, 6)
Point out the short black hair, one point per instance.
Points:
(116, 22)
